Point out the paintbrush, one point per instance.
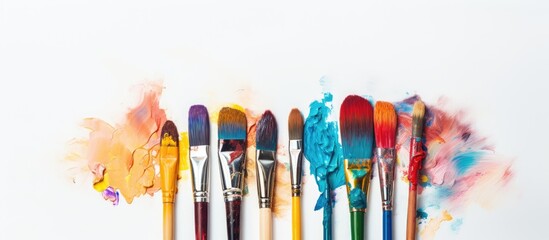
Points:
(199, 155)
(169, 166)
(385, 127)
(232, 126)
(417, 154)
(295, 128)
(357, 137)
(265, 139)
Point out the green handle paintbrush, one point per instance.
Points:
(356, 120)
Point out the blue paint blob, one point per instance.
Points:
(322, 147)
(464, 161)
(323, 151)
(357, 198)
(421, 214)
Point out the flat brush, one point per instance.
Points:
(199, 155)
(295, 128)
(265, 139)
(385, 127)
(232, 126)
(357, 137)
(169, 165)
(417, 154)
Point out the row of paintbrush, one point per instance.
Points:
(358, 121)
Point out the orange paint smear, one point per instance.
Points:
(282, 193)
(127, 151)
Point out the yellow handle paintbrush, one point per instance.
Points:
(169, 165)
(295, 127)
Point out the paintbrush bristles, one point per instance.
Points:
(356, 120)
(232, 124)
(385, 124)
(266, 132)
(199, 126)
(418, 115)
(169, 130)
(295, 124)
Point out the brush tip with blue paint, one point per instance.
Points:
(232, 124)
(356, 126)
(199, 126)
(266, 132)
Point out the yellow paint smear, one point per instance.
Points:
(432, 227)
(103, 184)
(184, 156)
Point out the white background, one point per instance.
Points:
(62, 61)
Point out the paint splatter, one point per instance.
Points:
(111, 195)
(123, 157)
(461, 167)
(421, 215)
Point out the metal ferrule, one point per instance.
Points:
(386, 168)
(265, 171)
(232, 157)
(200, 157)
(296, 161)
(358, 173)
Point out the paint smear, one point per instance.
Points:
(184, 174)
(122, 157)
(323, 151)
(461, 167)
(432, 227)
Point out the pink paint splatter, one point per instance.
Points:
(461, 168)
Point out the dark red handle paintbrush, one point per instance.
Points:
(199, 155)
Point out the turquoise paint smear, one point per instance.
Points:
(357, 198)
(466, 160)
(456, 224)
(323, 151)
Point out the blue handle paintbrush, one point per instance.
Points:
(385, 126)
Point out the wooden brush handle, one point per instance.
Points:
(265, 224)
(296, 218)
(168, 221)
(411, 219)
(201, 220)
(232, 208)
